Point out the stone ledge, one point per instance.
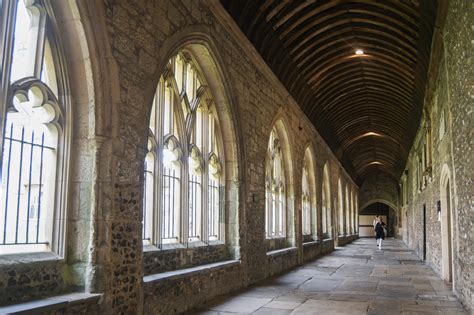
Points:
(52, 303)
(311, 243)
(188, 272)
(282, 252)
(9, 260)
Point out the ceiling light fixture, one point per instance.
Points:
(359, 52)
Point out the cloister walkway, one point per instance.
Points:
(355, 279)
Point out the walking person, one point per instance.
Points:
(379, 234)
(376, 220)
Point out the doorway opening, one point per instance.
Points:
(366, 218)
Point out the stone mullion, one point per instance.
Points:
(205, 178)
(184, 205)
(158, 178)
(6, 45)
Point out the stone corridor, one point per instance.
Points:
(355, 279)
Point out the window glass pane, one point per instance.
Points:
(178, 72)
(168, 125)
(194, 198)
(24, 43)
(148, 192)
(190, 89)
(48, 73)
(28, 183)
(171, 205)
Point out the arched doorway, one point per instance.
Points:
(367, 214)
(445, 216)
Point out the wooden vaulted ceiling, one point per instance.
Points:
(367, 107)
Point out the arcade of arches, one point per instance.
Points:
(159, 154)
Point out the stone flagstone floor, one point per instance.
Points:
(355, 279)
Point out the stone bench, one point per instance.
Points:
(72, 303)
(189, 272)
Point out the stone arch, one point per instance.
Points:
(391, 217)
(368, 203)
(446, 218)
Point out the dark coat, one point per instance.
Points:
(379, 231)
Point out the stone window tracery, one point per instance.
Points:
(34, 146)
(275, 189)
(183, 182)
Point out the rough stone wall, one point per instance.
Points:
(378, 186)
(142, 36)
(458, 37)
(166, 297)
(160, 261)
(449, 96)
(27, 281)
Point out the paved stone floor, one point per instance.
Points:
(355, 279)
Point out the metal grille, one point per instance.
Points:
(194, 206)
(306, 216)
(214, 208)
(170, 204)
(24, 164)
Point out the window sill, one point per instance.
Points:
(282, 252)
(170, 247)
(183, 273)
(51, 304)
(327, 240)
(28, 258)
(311, 243)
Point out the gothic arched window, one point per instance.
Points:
(34, 128)
(275, 209)
(183, 184)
